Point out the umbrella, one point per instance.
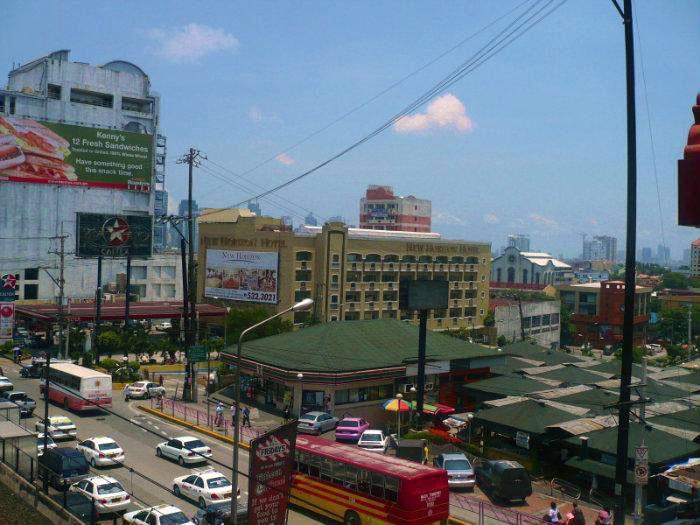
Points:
(396, 405)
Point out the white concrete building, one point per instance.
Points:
(540, 320)
(529, 268)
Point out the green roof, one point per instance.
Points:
(660, 392)
(595, 399)
(663, 447)
(527, 416)
(692, 378)
(509, 385)
(510, 365)
(573, 376)
(357, 345)
(597, 468)
(685, 420)
(614, 367)
(529, 350)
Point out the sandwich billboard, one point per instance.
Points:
(40, 152)
(242, 275)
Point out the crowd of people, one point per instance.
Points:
(575, 516)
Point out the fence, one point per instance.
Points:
(484, 513)
(201, 418)
(19, 461)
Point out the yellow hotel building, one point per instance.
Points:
(353, 273)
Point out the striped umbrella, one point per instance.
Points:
(396, 405)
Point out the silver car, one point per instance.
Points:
(460, 473)
(316, 423)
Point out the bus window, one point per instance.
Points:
(364, 482)
(314, 464)
(302, 463)
(391, 489)
(350, 479)
(326, 469)
(377, 485)
(338, 472)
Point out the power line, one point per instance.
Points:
(497, 44)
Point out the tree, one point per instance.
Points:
(490, 319)
(502, 341)
(568, 329)
(109, 343)
(239, 320)
(674, 280)
(637, 354)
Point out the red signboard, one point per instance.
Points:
(271, 462)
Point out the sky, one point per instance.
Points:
(533, 141)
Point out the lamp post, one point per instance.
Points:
(399, 396)
(300, 377)
(470, 417)
(303, 305)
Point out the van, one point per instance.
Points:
(504, 480)
(64, 466)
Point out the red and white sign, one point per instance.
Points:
(7, 321)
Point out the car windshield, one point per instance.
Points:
(353, 424)
(20, 397)
(110, 488)
(176, 518)
(371, 437)
(108, 446)
(194, 444)
(457, 464)
(308, 417)
(217, 483)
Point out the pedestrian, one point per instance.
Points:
(603, 518)
(233, 415)
(246, 417)
(285, 414)
(219, 414)
(553, 515)
(578, 517)
(127, 391)
(426, 453)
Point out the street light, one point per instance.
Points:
(399, 396)
(301, 306)
(300, 377)
(470, 417)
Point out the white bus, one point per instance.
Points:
(78, 388)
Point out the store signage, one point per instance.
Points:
(8, 287)
(242, 275)
(7, 321)
(113, 236)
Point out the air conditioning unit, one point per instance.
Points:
(406, 389)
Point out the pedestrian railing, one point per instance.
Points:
(201, 418)
(564, 488)
(19, 461)
(481, 512)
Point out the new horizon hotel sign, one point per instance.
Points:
(242, 275)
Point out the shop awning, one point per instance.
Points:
(432, 410)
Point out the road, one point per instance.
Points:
(147, 478)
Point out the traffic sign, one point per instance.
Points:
(198, 353)
(641, 455)
(641, 474)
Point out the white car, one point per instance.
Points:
(50, 443)
(374, 440)
(143, 390)
(160, 515)
(101, 451)
(59, 427)
(108, 493)
(165, 325)
(205, 487)
(184, 449)
(5, 384)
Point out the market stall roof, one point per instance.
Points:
(597, 468)
(535, 352)
(571, 375)
(529, 416)
(511, 385)
(115, 311)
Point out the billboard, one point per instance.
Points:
(8, 287)
(242, 276)
(49, 153)
(7, 321)
(113, 236)
(271, 461)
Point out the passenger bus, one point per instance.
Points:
(78, 388)
(356, 486)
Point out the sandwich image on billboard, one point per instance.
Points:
(49, 153)
(242, 276)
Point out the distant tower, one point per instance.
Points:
(519, 241)
(254, 206)
(380, 209)
(310, 220)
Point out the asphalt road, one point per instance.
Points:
(147, 478)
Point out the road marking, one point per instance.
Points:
(156, 427)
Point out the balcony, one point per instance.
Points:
(335, 266)
(335, 286)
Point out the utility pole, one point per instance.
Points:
(98, 310)
(60, 282)
(631, 249)
(191, 159)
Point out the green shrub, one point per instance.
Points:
(110, 364)
(88, 360)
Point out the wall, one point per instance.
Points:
(507, 322)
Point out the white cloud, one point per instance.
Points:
(255, 114)
(446, 112)
(491, 218)
(285, 159)
(442, 217)
(541, 219)
(191, 42)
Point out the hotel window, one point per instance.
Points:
(302, 275)
(391, 258)
(408, 259)
(372, 257)
(31, 274)
(31, 291)
(481, 312)
(303, 256)
(354, 257)
(301, 294)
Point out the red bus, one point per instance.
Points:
(356, 486)
(78, 388)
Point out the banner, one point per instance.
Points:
(7, 321)
(113, 236)
(271, 462)
(8, 287)
(49, 153)
(241, 276)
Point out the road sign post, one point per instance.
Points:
(641, 478)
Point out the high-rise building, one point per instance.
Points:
(254, 206)
(519, 241)
(160, 229)
(695, 258)
(100, 152)
(183, 211)
(600, 248)
(686, 256)
(380, 209)
(646, 255)
(663, 254)
(310, 220)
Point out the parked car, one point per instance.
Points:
(504, 480)
(144, 390)
(63, 466)
(316, 423)
(5, 384)
(205, 487)
(50, 443)
(218, 513)
(350, 429)
(185, 449)
(159, 515)
(101, 451)
(374, 440)
(59, 427)
(34, 371)
(460, 472)
(164, 325)
(25, 403)
(107, 492)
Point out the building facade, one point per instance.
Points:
(351, 273)
(380, 209)
(536, 320)
(598, 312)
(695, 258)
(536, 268)
(600, 248)
(519, 241)
(113, 96)
(158, 278)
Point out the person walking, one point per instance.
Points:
(426, 453)
(603, 518)
(127, 391)
(219, 414)
(246, 417)
(233, 415)
(285, 414)
(553, 515)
